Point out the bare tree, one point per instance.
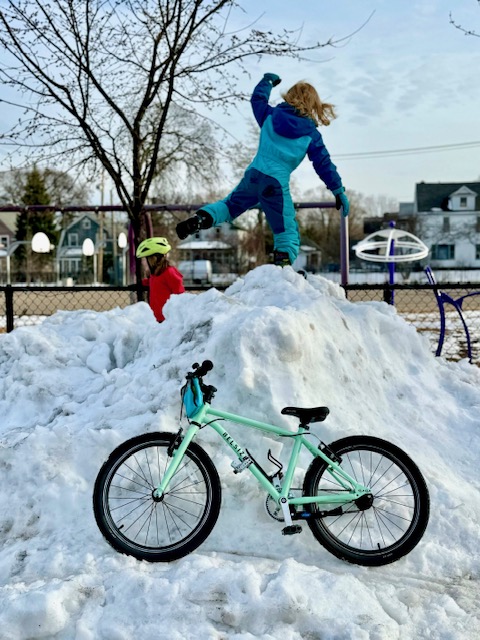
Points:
(378, 205)
(99, 78)
(61, 187)
(189, 158)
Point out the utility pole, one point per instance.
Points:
(101, 230)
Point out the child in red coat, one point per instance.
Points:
(164, 278)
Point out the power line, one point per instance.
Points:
(405, 152)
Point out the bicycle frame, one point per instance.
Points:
(353, 490)
(158, 495)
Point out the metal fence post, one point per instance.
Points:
(344, 249)
(9, 307)
(388, 293)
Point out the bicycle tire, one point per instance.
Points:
(136, 524)
(395, 522)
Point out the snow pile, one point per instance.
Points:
(74, 387)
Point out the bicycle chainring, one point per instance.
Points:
(273, 509)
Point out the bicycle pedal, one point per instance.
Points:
(290, 531)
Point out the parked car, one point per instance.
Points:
(196, 271)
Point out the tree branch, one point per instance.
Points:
(101, 79)
(466, 32)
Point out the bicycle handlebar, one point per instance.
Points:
(200, 370)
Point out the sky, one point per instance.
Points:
(401, 77)
(405, 79)
(77, 385)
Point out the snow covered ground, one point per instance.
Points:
(80, 383)
(381, 276)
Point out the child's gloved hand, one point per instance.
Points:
(273, 78)
(341, 200)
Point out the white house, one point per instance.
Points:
(448, 221)
(220, 245)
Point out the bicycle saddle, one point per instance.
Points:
(306, 416)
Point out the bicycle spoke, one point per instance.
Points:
(358, 519)
(142, 477)
(379, 528)
(175, 508)
(372, 486)
(389, 482)
(146, 523)
(132, 480)
(176, 487)
(136, 520)
(195, 502)
(149, 469)
(126, 504)
(400, 504)
(385, 515)
(152, 509)
(117, 486)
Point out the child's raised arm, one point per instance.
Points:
(260, 96)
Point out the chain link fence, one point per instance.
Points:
(418, 305)
(21, 306)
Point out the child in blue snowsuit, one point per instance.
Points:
(288, 133)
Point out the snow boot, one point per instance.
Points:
(201, 220)
(281, 259)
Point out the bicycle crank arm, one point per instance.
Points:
(317, 515)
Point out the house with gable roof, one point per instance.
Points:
(220, 245)
(448, 221)
(70, 255)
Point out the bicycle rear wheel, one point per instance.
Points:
(137, 524)
(393, 524)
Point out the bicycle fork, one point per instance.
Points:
(179, 446)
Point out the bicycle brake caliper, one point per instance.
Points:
(175, 443)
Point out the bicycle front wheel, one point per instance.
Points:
(133, 521)
(395, 521)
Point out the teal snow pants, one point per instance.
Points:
(274, 198)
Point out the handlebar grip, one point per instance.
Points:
(203, 369)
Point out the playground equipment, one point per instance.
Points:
(443, 299)
(391, 246)
(394, 245)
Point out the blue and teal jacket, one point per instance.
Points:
(285, 138)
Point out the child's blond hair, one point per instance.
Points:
(306, 100)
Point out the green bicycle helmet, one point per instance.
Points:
(153, 246)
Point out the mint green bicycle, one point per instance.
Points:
(158, 495)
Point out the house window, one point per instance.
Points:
(477, 252)
(446, 224)
(71, 267)
(86, 223)
(443, 252)
(463, 202)
(73, 239)
(4, 242)
(477, 227)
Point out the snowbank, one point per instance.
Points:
(80, 383)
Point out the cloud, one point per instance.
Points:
(442, 82)
(370, 87)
